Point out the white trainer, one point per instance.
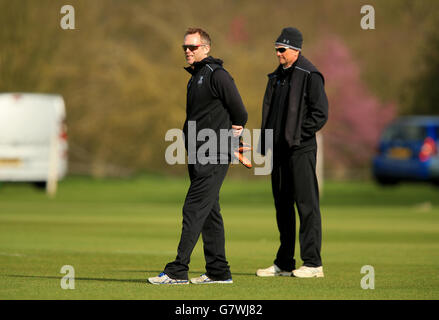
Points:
(272, 271)
(203, 279)
(308, 272)
(163, 278)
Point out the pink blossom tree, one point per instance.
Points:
(356, 116)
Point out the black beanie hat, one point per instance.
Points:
(291, 38)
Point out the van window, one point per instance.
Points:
(24, 124)
(404, 133)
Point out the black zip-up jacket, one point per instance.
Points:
(213, 100)
(307, 108)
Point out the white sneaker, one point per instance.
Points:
(203, 279)
(272, 271)
(163, 278)
(308, 272)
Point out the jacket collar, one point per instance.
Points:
(279, 70)
(197, 66)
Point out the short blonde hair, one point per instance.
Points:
(205, 38)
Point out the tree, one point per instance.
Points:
(356, 116)
(421, 95)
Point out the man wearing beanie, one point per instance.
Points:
(295, 107)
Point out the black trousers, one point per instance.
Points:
(294, 182)
(201, 214)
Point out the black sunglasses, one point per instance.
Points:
(191, 47)
(281, 50)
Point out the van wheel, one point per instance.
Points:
(40, 185)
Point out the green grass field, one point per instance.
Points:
(116, 233)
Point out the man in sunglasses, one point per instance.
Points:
(213, 102)
(295, 107)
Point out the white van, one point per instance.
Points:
(33, 138)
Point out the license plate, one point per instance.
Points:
(400, 153)
(10, 162)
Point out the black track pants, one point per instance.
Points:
(201, 214)
(294, 181)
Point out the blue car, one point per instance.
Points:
(408, 151)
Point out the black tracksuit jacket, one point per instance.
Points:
(213, 100)
(305, 110)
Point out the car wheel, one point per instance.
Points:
(386, 181)
(40, 185)
(435, 183)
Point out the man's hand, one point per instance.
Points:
(237, 130)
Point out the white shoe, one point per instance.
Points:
(203, 279)
(308, 272)
(272, 271)
(163, 278)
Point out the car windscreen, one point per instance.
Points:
(404, 133)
